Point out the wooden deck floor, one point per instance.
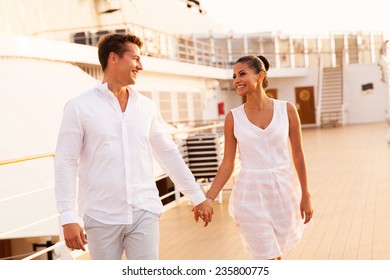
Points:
(349, 176)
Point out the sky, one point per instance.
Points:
(300, 16)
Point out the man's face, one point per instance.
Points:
(128, 65)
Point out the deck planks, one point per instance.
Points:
(349, 177)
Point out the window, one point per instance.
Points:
(166, 105)
(182, 105)
(197, 105)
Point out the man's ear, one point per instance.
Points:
(112, 56)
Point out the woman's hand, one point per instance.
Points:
(306, 208)
(204, 211)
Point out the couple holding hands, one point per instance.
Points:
(110, 134)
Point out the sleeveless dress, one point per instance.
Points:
(265, 202)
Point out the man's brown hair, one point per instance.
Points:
(115, 43)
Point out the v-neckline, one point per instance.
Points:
(258, 127)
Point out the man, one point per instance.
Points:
(108, 137)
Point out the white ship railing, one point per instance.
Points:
(214, 50)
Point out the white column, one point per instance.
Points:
(277, 54)
(245, 43)
(346, 49)
(372, 47)
(291, 51)
(332, 50)
(305, 52)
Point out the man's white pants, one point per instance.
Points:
(140, 240)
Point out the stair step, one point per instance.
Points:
(331, 88)
(332, 96)
(331, 92)
(330, 111)
(331, 106)
(332, 85)
(333, 74)
(331, 69)
(333, 81)
(331, 101)
(334, 107)
(331, 78)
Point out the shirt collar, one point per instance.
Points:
(103, 87)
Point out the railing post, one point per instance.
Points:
(319, 100)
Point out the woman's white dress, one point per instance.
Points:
(265, 202)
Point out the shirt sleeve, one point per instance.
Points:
(166, 153)
(67, 154)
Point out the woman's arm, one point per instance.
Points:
(299, 160)
(226, 168)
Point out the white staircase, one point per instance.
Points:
(331, 99)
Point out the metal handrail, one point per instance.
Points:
(319, 89)
(186, 50)
(10, 161)
(212, 126)
(193, 49)
(41, 252)
(18, 160)
(23, 159)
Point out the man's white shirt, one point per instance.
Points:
(112, 152)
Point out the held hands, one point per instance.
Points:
(204, 211)
(74, 236)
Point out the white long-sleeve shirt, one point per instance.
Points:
(111, 152)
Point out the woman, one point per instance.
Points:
(270, 203)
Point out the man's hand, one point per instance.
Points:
(74, 236)
(204, 211)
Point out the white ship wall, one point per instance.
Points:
(32, 97)
(364, 106)
(33, 94)
(359, 106)
(153, 84)
(286, 86)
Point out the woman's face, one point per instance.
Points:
(245, 80)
